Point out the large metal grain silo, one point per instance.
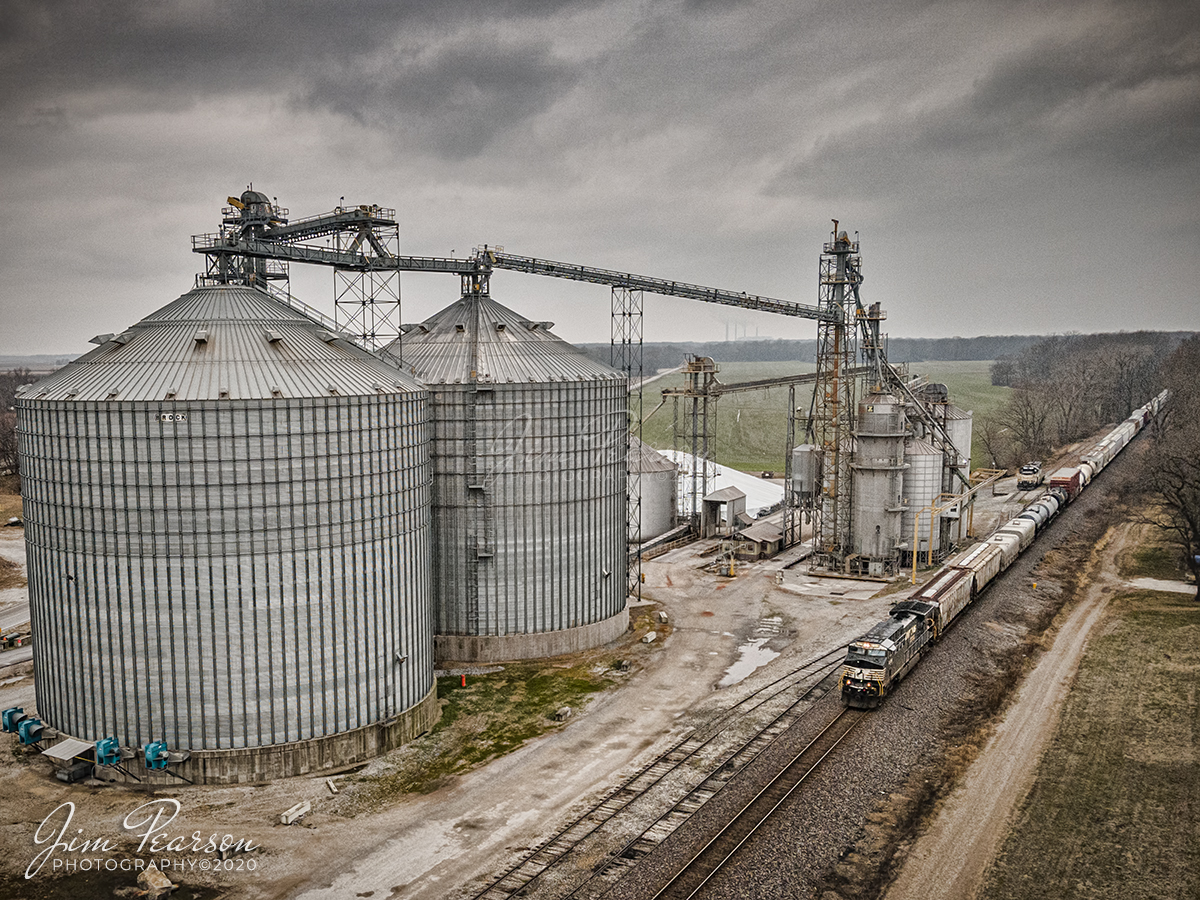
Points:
(228, 529)
(922, 485)
(529, 454)
(878, 480)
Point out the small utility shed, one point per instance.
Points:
(72, 758)
(759, 541)
(720, 510)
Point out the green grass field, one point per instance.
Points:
(1113, 811)
(751, 428)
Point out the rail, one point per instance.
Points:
(720, 849)
(521, 878)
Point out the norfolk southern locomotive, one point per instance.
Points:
(877, 661)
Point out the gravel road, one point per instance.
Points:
(949, 860)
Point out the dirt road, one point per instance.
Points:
(949, 860)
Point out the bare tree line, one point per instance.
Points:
(1173, 461)
(1067, 386)
(9, 382)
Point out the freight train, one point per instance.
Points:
(877, 661)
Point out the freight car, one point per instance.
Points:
(877, 661)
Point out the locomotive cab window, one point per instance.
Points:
(866, 659)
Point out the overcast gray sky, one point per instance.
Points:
(1010, 167)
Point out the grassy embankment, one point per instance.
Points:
(1115, 809)
(751, 427)
(492, 715)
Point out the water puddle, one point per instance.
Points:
(754, 653)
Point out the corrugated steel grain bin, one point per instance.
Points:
(922, 485)
(529, 451)
(228, 531)
(657, 478)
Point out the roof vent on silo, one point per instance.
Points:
(170, 395)
(222, 393)
(273, 337)
(201, 336)
(276, 393)
(102, 339)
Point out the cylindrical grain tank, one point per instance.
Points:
(958, 423)
(656, 477)
(227, 518)
(806, 471)
(529, 451)
(878, 474)
(922, 484)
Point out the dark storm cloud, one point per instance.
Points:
(1122, 94)
(68, 61)
(455, 99)
(691, 139)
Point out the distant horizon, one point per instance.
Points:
(10, 361)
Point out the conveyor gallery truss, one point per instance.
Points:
(257, 242)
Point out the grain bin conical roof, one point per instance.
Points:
(223, 342)
(478, 335)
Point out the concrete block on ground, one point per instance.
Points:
(294, 814)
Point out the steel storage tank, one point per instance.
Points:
(806, 471)
(657, 479)
(228, 531)
(958, 423)
(529, 454)
(878, 472)
(922, 484)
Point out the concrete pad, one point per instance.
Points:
(1161, 584)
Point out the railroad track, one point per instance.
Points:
(720, 849)
(523, 878)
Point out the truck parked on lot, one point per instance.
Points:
(1030, 476)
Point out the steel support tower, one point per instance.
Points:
(367, 302)
(625, 355)
(694, 432)
(833, 407)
